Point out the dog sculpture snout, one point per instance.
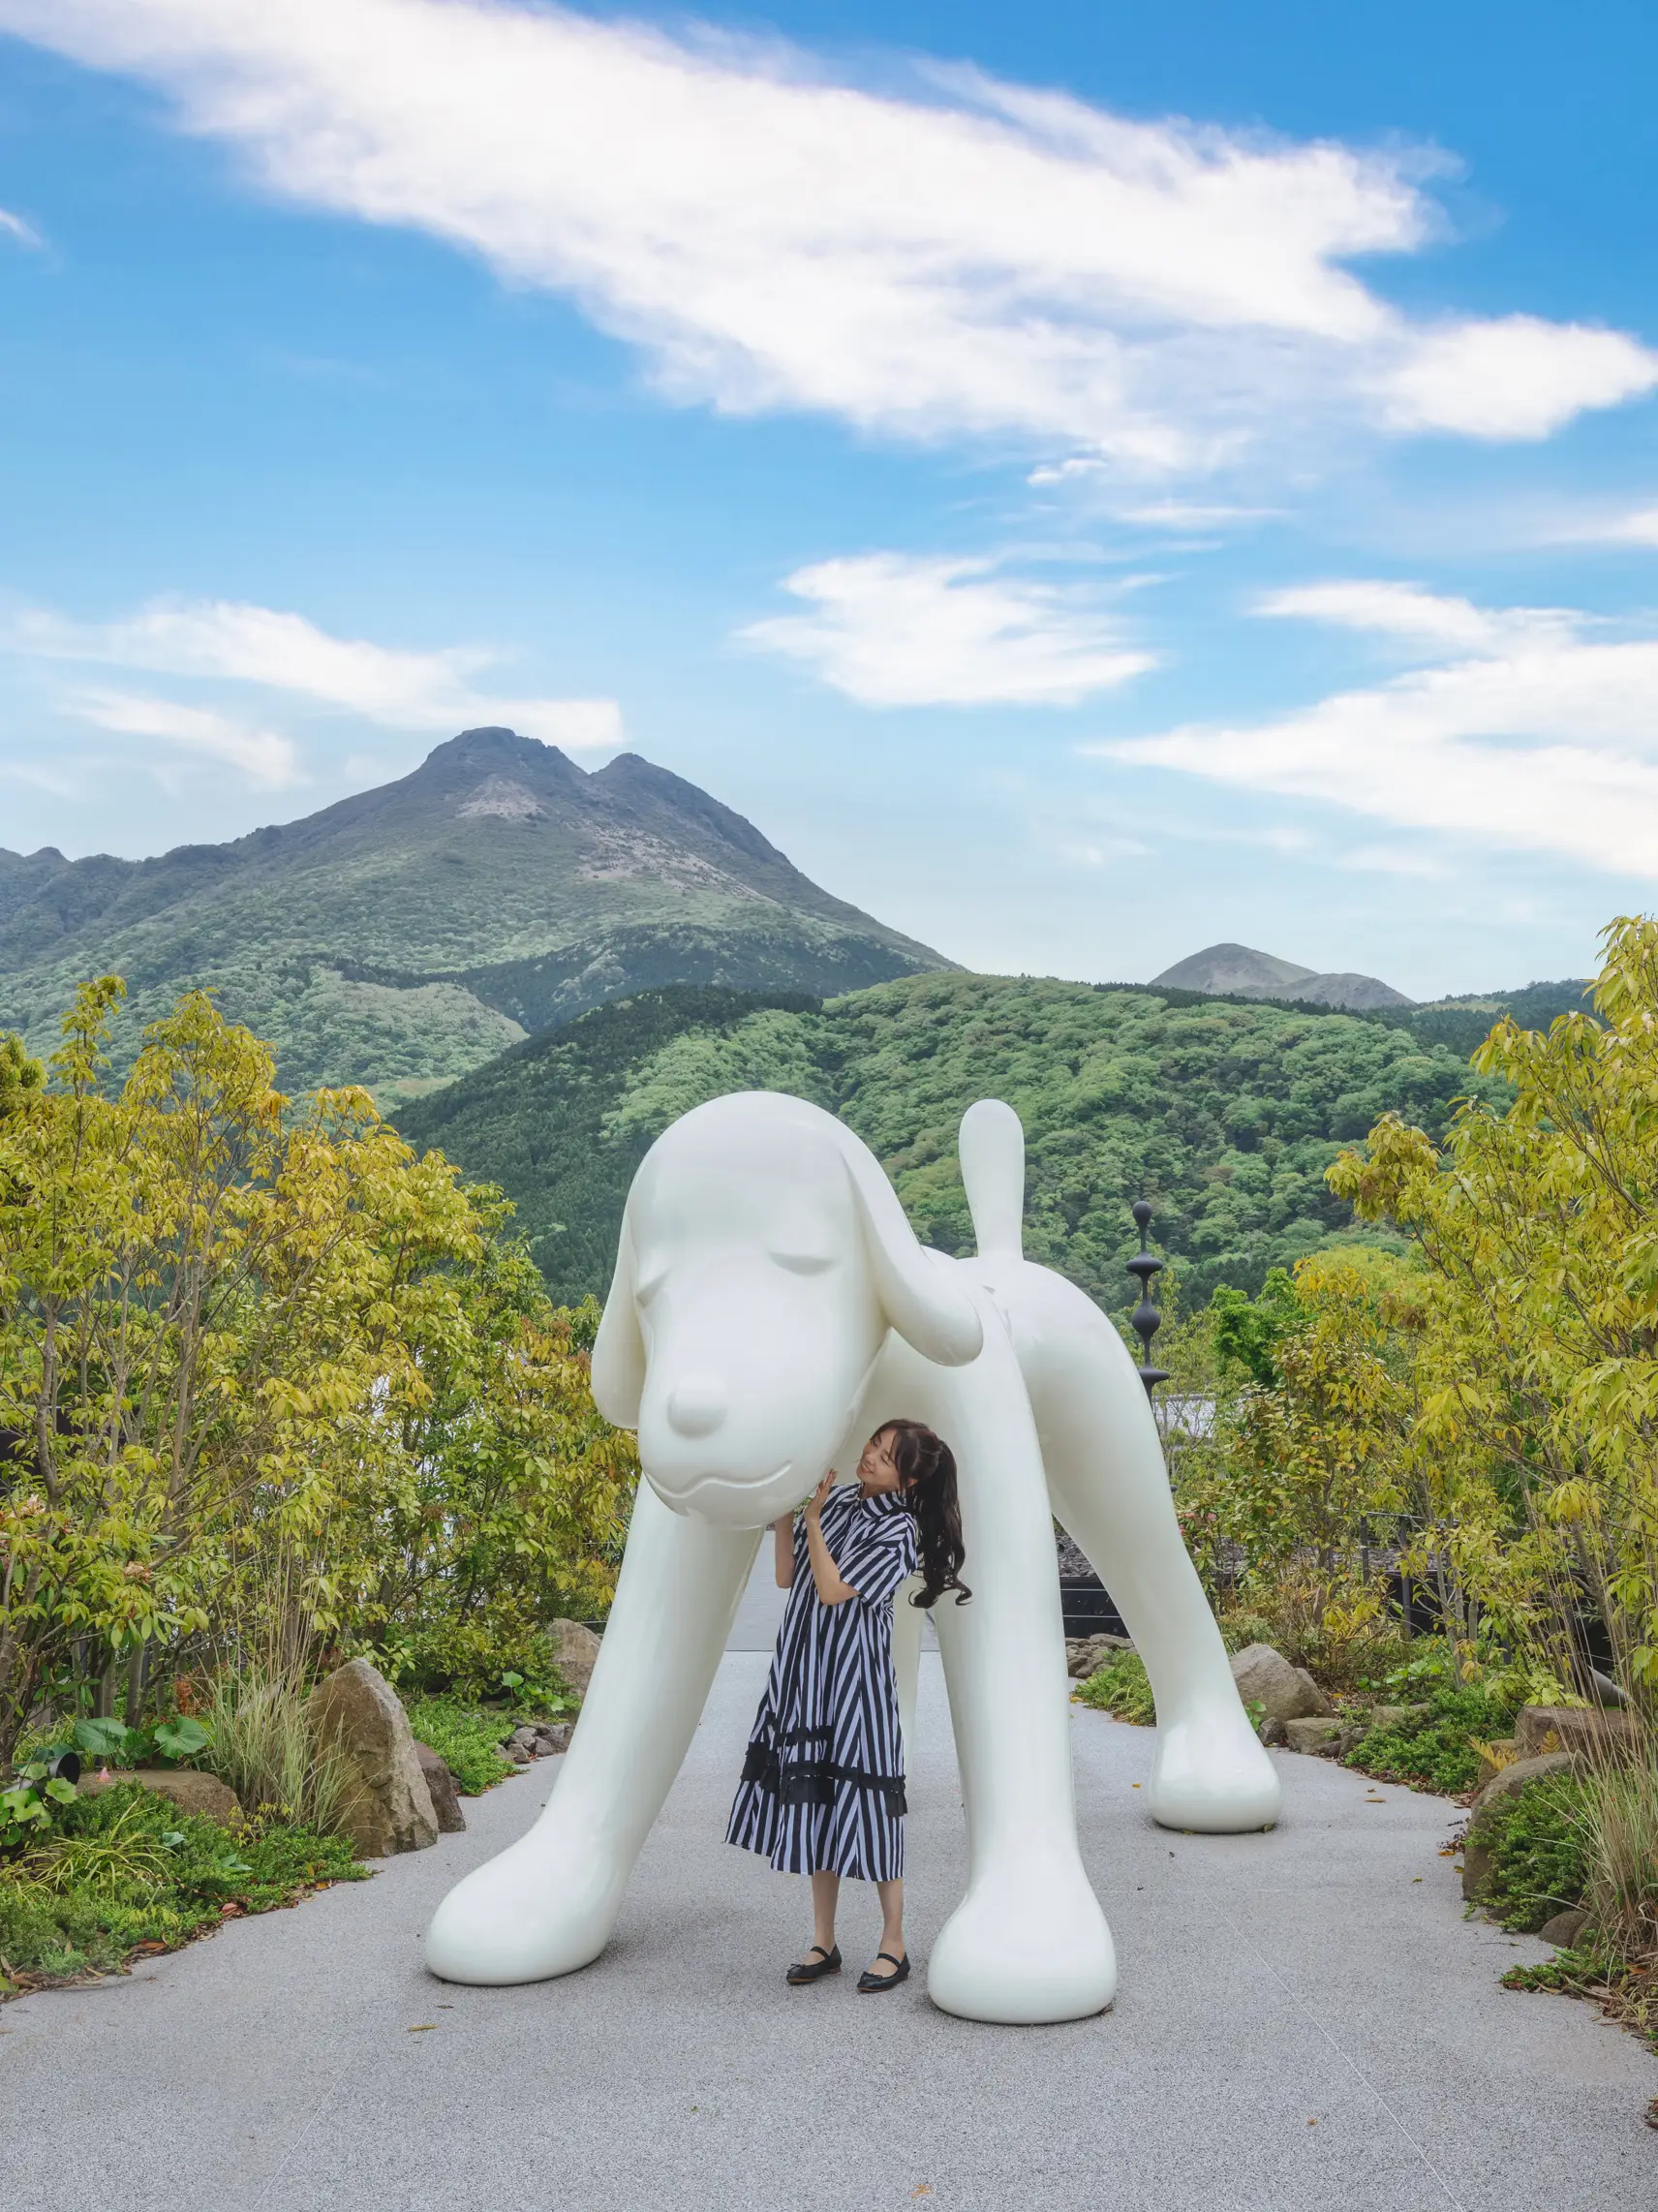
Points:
(698, 1404)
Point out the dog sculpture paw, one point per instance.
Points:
(524, 1917)
(1212, 1774)
(1025, 1945)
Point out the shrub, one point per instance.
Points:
(1122, 1687)
(466, 1739)
(128, 1870)
(1540, 1843)
(1435, 1749)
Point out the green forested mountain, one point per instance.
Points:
(411, 933)
(1224, 1113)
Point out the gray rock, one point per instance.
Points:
(1476, 1871)
(440, 1784)
(1265, 1678)
(575, 1651)
(388, 1807)
(1315, 1734)
(552, 1738)
(183, 1786)
(1588, 1729)
(1564, 1929)
(1518, 1773)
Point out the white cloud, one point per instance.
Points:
(13, 226)
(1395, 610)
(230, 641)
(1534, 739)
(267, 760)
(1639, 526)
(973, 259)
(1515, 377)
(893, 630)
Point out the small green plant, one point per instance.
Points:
(168, 1743)
(27, 1806)
(1540, 1844)
(126, 1851)
(1122, 1687)
(466, 1739)
(1435, 1749)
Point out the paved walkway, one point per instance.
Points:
(1266, 1983)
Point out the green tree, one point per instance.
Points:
(1538, 1365)
(218, 1311)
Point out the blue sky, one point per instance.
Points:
(1085, 482)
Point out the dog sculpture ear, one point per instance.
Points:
(923, 1300)
(618, 1365)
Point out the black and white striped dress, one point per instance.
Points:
(822, 1788)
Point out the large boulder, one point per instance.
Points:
(1284, 1692)
(574, 1648)
(446, 1797)
(1515, 1776)
(190, 1792)
(1588, 1729)
(388, 1806)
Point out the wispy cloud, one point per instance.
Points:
(890, 629)
(22, 233)
(1533, 737)
(1639, 526)
(975, 258)
(1406, 612)
(267, 760)
(230, 641)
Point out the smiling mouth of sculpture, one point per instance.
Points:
(684, 1493)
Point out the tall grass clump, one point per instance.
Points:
(1621, 1812)
(262, 1743)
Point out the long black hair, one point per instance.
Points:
(927, 1468)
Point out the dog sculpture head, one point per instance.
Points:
(763, 1258)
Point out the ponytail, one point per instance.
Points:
(927, 1468)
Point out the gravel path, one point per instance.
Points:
(1267, 1982)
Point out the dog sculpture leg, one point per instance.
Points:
(548, 1904)
(1029, 1941)
(1109, 1487)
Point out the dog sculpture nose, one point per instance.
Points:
(696, 1405)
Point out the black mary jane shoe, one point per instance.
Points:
(810, 1969)
(868, 1983)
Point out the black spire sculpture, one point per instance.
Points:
(1146, 1319)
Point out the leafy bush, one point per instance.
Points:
(1541, 1846)
(128, 1870)
(1122, 1687)
(466, 1739)
(1434, 1750)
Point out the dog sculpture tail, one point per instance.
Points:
(992, 1150)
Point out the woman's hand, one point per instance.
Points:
(815, 1503)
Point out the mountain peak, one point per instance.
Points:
(1240, 971)
(502, 752)
(408, 932)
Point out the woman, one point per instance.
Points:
(822, 1788)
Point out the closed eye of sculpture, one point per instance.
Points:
(781, 1311)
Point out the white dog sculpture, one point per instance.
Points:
(771, 1308)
